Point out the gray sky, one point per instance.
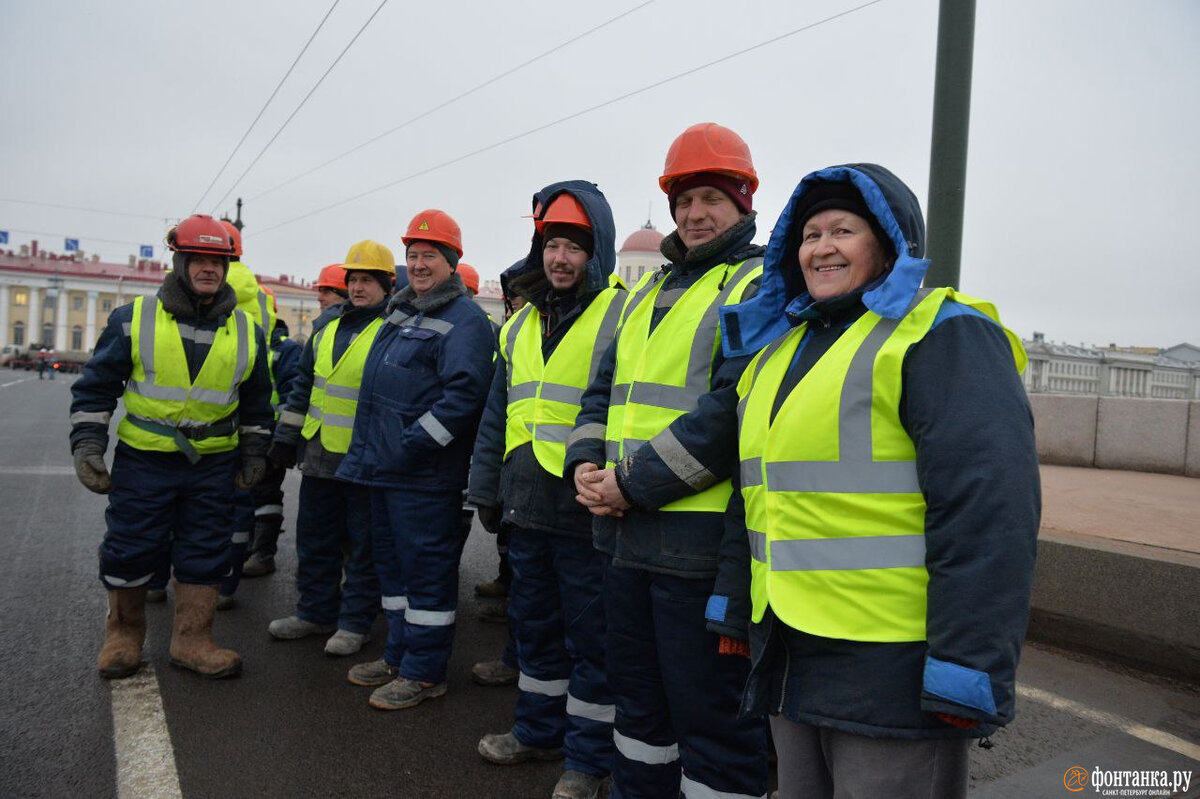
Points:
(1083, 165)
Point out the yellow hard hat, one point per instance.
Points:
(370, 256)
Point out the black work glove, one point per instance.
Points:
(253, 449)
(490, 516)
(89, 465)
(281, 455)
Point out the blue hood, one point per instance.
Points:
(604, 255)
(749, 326)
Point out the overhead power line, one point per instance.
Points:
(302, 102)
(75, 236)
(574, 115)
(262, 110)
(78, 208)
(452, 100)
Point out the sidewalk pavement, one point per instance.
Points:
(1118, 570)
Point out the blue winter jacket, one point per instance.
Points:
(530, 496)
(423, 389)
(965, 409)
(286, 362)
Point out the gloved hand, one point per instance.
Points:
(89, 465)
(253, 449)
(282, 455)
(490, 516)
(733, 646)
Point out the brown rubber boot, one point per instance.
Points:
(124, 633)
(192, 645)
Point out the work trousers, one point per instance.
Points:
(163, 509)
(268, 504)
(556, 613)
(418, 541)
(243, 528)
(336, 574)
(822, 763)
(677, 729)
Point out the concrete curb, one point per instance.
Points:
(1136, 604)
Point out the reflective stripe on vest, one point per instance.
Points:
(334, 396)
(661, 375)
(544, 397)
(834, 512)
(161, 393)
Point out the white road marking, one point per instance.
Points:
(145, 758)
(42, 470)
(14, 382)
(1148, 734)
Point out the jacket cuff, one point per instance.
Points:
(959, 685)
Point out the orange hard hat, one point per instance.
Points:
(469, 275)
(708, 147)
(235, 236)
(200, 233)
(434, 225)
(564, 210)
(332, 277)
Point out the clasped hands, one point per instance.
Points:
(597, 490)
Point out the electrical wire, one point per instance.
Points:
(575, 115)
(78, 208)
(81, 239)
(301, 105)
(452, 100)
(262, 110)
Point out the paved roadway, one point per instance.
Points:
(291, 726)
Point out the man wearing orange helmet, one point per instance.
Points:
(423, 387)
(191, 370)
(331, 286)
(650, 458)
(551, 349)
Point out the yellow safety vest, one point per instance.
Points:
(661, 375)
(164, 410)
(544, 396)
(252, 300)
(834, 513)
(334, 397)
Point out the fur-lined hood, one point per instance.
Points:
(182, 303)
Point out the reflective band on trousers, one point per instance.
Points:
(429, 618)
(697, 790)
(544, 687)
(633, 749)
(394, 602)
(605, 714)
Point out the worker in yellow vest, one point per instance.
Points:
(338, 595)
(881, 548)
(550, 351)
(650, 458)
(191, 370)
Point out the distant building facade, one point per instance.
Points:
(639, 254)
(63, 301)
(1112, 372)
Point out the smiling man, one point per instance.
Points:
(650, 459)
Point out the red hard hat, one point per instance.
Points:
(564, 210)
(235, 236)
(200, 233)
(434, 225)
(332, 277)
(708, 147)
(469, 275)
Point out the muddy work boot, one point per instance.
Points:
(263, 545)
(258, 565)
(403, 693)
(494, 612)
(192, 646)
(577, 785)
(492, 589)
(372, 674)
(124, 633)
(344, 642)
(505, 750)
(292, 627)
(494, 673)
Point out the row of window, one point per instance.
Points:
(18, 335)
(20, 299)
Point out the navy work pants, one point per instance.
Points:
(243, 529)
(556, 611)
(333, 535)
(677, 728)
(418, 541)
(163, 509)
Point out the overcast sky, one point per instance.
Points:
(1082, 211)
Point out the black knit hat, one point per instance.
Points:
(581, 236)
(382, 278)
(844, 197)
(447, 251)
(737, 188)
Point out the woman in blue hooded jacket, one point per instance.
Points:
(422, 393)
(879, 550)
